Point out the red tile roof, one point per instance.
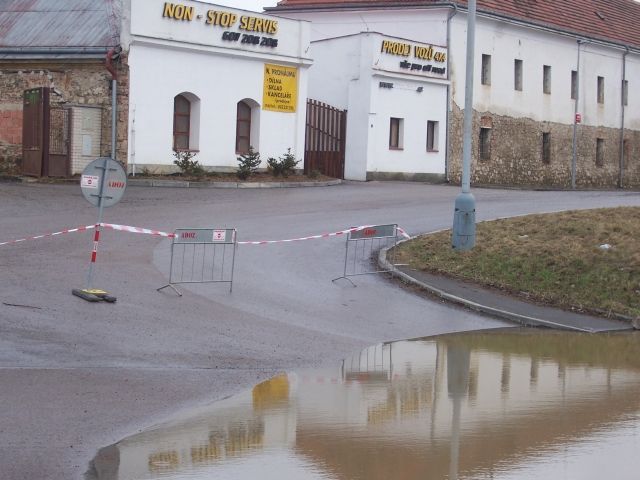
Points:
(616, 21)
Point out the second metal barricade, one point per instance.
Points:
(362, 244)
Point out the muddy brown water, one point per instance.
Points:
(519, 404)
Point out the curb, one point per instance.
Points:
(188, 184)
(506, 315)
(134, 182)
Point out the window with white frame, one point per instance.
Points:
(546, 79)
(181, 122)
(243, 127)
(601, 90)
(396, 127)
(517, 75)
(485, 72)
(432, 136)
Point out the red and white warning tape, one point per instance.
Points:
(313, 237)
(146, 231)
(403, 233)
(299, 239)
(62, 232)
(157, 233)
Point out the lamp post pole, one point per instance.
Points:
(464, 219)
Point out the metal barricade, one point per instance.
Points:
(202, 255)
(362, 244)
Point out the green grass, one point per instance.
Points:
(553, 259)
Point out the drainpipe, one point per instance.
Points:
(112, 55)
(448, 130)
(624, 78)
(575, 122)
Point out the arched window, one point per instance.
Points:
(243, 127)
(181, 122)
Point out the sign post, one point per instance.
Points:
(103, 183)
(463, 237)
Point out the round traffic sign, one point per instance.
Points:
(107, 171)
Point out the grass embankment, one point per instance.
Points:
(555, 259)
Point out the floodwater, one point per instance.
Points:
(503, 405)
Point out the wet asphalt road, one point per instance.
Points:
(76, 376)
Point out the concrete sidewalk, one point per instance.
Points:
(504, 306)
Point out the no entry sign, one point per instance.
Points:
(111, 173)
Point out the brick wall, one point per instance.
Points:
(77, 83)
(11, 124)
(516, 153)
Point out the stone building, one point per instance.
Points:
(62, 47)
(546, 72)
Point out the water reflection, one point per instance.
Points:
(494, 405)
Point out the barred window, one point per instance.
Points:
(599, 152)
(546, 147)
(485, 144)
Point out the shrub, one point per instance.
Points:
(184, 161)
(314, 173)
(248, 164)
(284, 166)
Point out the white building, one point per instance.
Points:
(537, 65)
(212, 80)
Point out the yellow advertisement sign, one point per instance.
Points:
(280, 88)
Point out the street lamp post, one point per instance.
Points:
(464, 218)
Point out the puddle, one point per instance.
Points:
(501, 405)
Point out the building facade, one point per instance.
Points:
(192, 77)
(543, 74)
(214, 81)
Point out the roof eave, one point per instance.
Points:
(463, 8)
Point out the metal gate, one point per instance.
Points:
(325, 139)
(56, 163)
(45, 136)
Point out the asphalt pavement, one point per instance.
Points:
(78, 376)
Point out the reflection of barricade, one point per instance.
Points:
(361, 245)
(202, 255)
(373, 364)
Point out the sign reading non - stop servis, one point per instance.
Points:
(115, 182)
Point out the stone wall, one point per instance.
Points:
(81, 83)
(516, 154)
